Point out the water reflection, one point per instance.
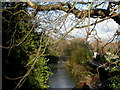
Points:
(62, 78)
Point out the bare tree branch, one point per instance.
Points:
(78, 13)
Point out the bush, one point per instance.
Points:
(79, 52)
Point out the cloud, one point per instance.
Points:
(106, 29)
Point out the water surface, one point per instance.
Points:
(62, 77)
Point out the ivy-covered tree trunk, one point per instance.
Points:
(23, 50)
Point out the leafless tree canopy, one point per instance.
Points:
(111, 10)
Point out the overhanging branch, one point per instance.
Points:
(78, 13)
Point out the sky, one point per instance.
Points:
(105, 29)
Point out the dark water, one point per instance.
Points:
(62, 77)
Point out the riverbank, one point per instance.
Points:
(83, 75)
(65, 76)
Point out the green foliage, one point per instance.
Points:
(79, 52)
(22, 45)
(58, 49)
(80, 55)
(39, 76)
(115, 80)
(114, 83)
(114, 71)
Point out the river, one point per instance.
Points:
(62, 77)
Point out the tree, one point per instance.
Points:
(19, 36)
(69, 8)
(78, 52)
(23, 49)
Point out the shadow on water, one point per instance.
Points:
(62, 77)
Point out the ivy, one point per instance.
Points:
(26, 50)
